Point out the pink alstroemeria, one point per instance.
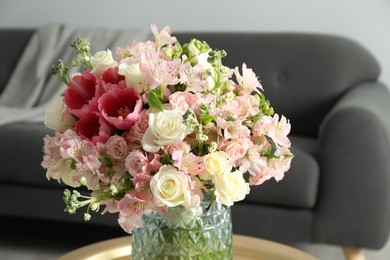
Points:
(162, 74)
(280, 164)
(89, 171)
(129, 222)
(253, 162)
(177, 151)
(248, 81)
(192, 77)
(163, 37)
(74, 147)
(192, 164)
(141, 184)
(282, 129)
(80, 96)
(233, 129)
(132, 205)
(121, 107)
(273, 128)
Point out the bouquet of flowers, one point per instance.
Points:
(159, 125)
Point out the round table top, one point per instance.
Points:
(244, 248)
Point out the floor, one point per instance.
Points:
(22, 239)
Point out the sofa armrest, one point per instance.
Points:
(353, 208)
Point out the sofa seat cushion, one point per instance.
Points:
(299, 187)
(21, 165)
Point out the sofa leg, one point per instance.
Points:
(352, 253)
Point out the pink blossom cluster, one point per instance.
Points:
(160, 125)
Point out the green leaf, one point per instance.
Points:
(104, 160)
(230, 118)
(167, 159)
(154, 100)
(206, 118)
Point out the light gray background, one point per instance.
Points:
(366, 21)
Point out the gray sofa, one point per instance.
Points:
(338, 188)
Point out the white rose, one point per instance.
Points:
(57, 117)
(133, 75)
(164, 128)
(230, 188)
(101, 61)
(217, 164)
(170, 187)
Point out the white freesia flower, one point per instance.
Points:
(207, 68)
(57, 117)
(230, 187)
(101, 61)
(170, 187)
(165, 128)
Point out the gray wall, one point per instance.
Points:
(366, 21)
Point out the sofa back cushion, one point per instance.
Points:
(303, 75)
(12, 44)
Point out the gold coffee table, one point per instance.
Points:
(244, 248)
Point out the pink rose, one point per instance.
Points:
(80, 96)
(140, 127)
(133, 141)
(117, 148)
(121, 107)
(236, 148)
(184, 101)
(135, 162)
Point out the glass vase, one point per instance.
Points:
(201, 233)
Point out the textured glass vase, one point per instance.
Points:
(203, 233)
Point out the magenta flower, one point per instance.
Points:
(121, 107)
(94, 128)
(109, 79)
(80, 96)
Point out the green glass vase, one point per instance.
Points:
(201, 233)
